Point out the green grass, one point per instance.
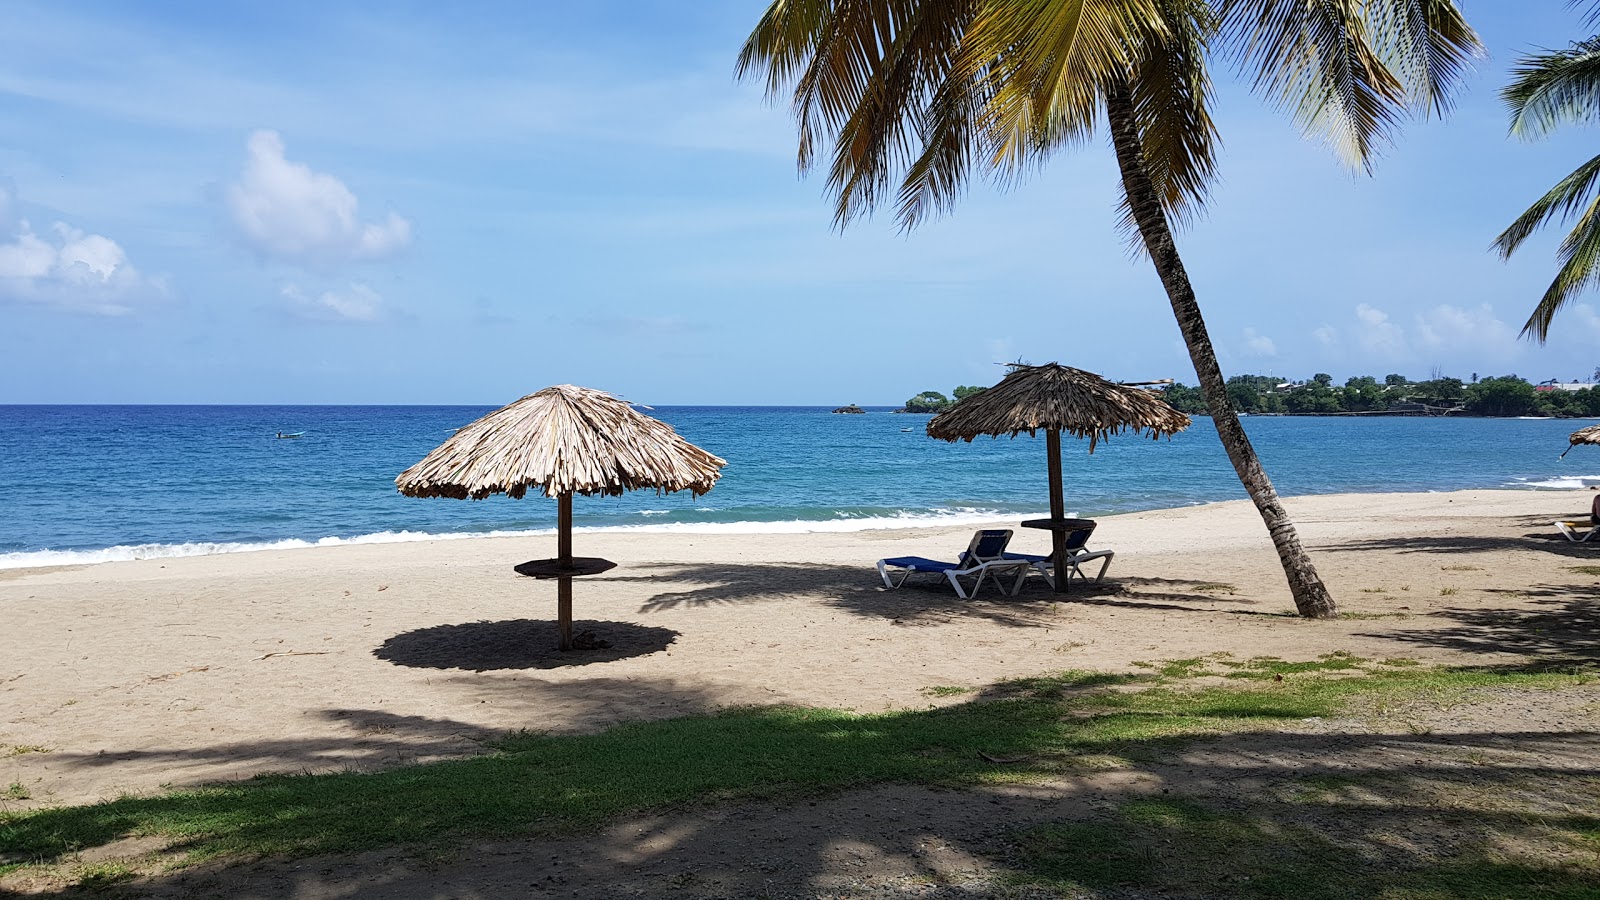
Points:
(1584, 570)
(1287, 850)
(946, 690)
(538, 784)
(15, 791)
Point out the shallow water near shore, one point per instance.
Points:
(94, 483)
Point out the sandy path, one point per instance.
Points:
(126, 677)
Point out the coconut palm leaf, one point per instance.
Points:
(1347, 70)
(1578, 252)
(1557, 88)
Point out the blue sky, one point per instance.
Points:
(320, 203)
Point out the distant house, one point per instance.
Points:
(1553, 385)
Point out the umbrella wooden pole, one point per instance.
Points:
(564, 552)
(1058, 508)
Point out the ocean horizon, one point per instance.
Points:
(98, 483)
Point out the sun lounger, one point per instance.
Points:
(1078, 553)
(1578, 531)
(984, 557)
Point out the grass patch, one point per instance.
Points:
(946, 690)
(533, 784)
(1362, 616)
(1216, 587)
(20, 749)
(16, 791)
(1448, 592)
(1179, 847)
(1461, 568)
(1584, 570)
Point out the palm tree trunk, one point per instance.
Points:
(1311, 596)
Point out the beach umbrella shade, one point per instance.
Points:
(1054, 399)
(561, 441)
(1590, 435)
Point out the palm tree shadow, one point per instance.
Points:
(857, 590)
(519, 644)
(1562, 630)
(1544, 539)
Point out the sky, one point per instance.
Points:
(462, 203)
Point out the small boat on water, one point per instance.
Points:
(903, 430)
(284, 435)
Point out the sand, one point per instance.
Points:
(131, 677)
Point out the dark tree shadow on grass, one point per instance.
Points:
(1257, 814)
(518, 644)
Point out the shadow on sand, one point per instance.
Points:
(518, 644)
(856, 589)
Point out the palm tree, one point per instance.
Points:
(922, 92)
(1548, 90)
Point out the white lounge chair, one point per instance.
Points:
(1578, 531)
(1078, 553)
(984, 557)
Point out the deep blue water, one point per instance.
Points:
(171, 480)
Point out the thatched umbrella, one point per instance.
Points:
(1590, 435)
(1057, 398)
(563, 440)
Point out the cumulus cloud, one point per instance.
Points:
(1452, 326)
(66, 267)
(286, 211)
(1257, 344)
(353, 303)
(1377, 334)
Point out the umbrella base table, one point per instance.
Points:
(554, 568)
(1058, 524)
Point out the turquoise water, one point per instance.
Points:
(88, 483)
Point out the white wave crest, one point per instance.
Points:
(1558, 483)
(131, 552)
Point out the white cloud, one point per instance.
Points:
(1258, 344)
(1454, 327)
(66, 267)
(1326, 335)
(1377, 334)
(288, 212)
(355, 303)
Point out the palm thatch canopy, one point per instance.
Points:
(562, 440)
(1054, 397)
(1590, 435)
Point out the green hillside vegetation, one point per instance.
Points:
(935, 402)
(1506, 395)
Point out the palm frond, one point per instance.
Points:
(1560, 202)
(1552, 89)
(1348, 69)
(1579, 252)
(1580, 270)
(1427, 44)
(1171, 93)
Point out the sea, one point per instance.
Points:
(87, 484)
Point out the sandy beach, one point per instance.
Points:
(131, 677)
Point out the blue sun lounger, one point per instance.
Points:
(984, 557)
(1078, 553)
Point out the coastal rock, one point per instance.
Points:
(852, 410)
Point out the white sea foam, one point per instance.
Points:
(1559, 482)
(129, 552)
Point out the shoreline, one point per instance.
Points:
(130, 676)
(50, 558)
